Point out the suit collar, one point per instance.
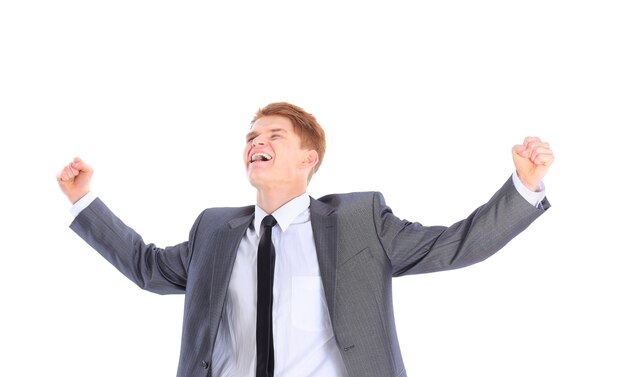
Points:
(243, 220)
(285, 215)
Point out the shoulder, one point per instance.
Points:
(352, 199)
(225, 214)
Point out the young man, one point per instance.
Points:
(317, 291)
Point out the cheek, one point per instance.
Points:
(292, 162)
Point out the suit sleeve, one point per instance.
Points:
(162, 271)
(413, 248)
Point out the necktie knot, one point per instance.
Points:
(269, 221)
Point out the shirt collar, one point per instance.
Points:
(284, 215)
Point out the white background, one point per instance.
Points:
(420, 100)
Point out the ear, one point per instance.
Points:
(310, 159)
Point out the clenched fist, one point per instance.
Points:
(74, 179)
(532, 160)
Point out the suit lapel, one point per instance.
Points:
(231, 238)
(324, 223)
(222, 265)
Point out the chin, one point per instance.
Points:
(256, 179)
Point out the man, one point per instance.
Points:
(326, 309)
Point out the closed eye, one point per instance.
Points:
(250, 136)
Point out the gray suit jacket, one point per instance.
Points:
(360, 246)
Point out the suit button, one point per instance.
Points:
(205, 365)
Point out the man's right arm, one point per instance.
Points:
(158, 270)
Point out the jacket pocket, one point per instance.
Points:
(308, 306)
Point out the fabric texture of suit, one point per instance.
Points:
(360, 246)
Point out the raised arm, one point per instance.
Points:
(155, 269)
(413, 248)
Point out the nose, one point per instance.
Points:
(257, 141)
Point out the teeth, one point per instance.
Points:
(260, 157)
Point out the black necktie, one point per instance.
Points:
(265, 282)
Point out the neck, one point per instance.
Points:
(271, 199)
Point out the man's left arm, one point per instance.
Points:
(413, 248)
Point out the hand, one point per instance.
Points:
(74, 179)
(532, 161)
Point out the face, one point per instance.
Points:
(273, 155)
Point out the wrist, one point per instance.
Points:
(75, 197)
(530, 184)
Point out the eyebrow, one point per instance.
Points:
(272, 131)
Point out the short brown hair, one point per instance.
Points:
(305, 125)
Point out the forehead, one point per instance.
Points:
(272, 122)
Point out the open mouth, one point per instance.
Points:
(258, 157)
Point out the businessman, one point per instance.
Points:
(297, 286)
